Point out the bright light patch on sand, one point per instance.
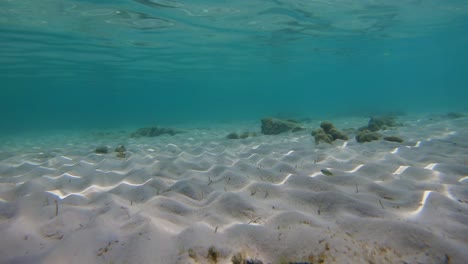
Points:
(251, 155)
(94, 189)
(400, 170)
(395, 151)
(355, 169)
(426, 196)
(206, 153)
(67, 158)
(444, 135)
(87, 163)
(431, 166)
(62, 195)
(290, 152)
(255, 147)
(463, 179)
(449, 133)
(285, 179)
(28, 163)
(421, 204)
(47, 168)
(447, 193)
(316, 174)
(71, 175)
(168, 226)
(335, 159)
(134, 184)
(66, 174)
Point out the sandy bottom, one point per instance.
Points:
(198, 197)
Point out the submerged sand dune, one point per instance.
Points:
(198, 197)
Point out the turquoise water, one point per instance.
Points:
(92, 64)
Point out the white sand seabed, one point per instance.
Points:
(198, 197)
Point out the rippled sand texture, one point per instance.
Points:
(200, 198)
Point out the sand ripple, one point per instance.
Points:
(179, 199)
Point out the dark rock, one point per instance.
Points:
(240, 259)
(454, 115)
(232, 135)
(253, 261)
(244, 135)
(328, 133)
(374, 127)
(213, 254)
(363, 128)
(393, 139)
(121, 155)
(382, 123)
(320, 136)
(101, 150)
(120, 148)
(154, 132)
(274, 126)
(327, 126)
(336, 134)
(192, 254)
(293, 121)
(367, 136)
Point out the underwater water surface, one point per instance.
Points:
(79, 64)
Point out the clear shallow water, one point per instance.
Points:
(81, 64)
